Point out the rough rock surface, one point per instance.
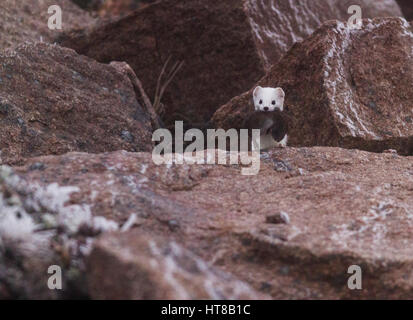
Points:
(111, 8)
(54, 101)
(222, 61)
(121, 7)
(348, 88)
(346, 207)
(278, 24)
(91, 5)
(22, 21)
(38, 229)
(178, 29)
(144, 267)
(120, 226)
(407, 8)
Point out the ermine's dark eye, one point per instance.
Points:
(273, 102)
(260, 101)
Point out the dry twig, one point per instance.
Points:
(162, 83)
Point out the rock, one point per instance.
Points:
(244, 47)
(242, 40)
(278, 218)
(89, 4)
(111, 8)
(340, 90)
(390, 151)
(38, 229)
(121, 7)
(347, 207)
(54, 101)
(407, 8)
(144, 267)
(119, 184)
(23, 21)
(289, 22)
(181, 231)
(177, 29)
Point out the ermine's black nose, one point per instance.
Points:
(266, 108)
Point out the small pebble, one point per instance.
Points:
(278, 218)
(265, 286)
(126, 136)
(37, 166)
(285, 270)
(173, 225)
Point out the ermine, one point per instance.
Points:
(268, 117)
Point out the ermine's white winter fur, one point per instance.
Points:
(268, 100)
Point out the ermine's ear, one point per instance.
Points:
(257, 91)
(280, 93)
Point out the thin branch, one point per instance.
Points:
(162, 84)
(165, 78)
(158, 84)
(173, 73)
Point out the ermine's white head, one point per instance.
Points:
(268, 99)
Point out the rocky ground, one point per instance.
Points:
(79, 188)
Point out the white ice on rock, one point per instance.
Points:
(51, 202)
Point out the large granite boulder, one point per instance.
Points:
(278, 24)
(213, 38)
(27, 20)
(147, 268)
(226, 45)
(53, 101)
(291, 231)
(344, 87)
